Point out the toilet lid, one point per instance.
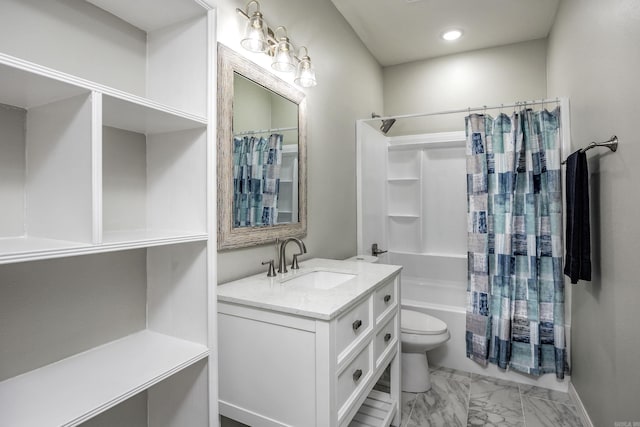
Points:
(414, 322)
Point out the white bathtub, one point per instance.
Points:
(427, 286)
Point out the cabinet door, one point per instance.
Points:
(266, 371)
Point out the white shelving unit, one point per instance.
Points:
(420, 214)
(105, 235)
(404, 199)
(288, 195)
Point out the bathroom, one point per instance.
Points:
(589, 57)
(575, 61)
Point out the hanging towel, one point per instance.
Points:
(578, 260)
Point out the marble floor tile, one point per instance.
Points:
(488, 419)
(546, 413)
(445, 405)
(459, 399)
(497, 397)
(406, 406)
(545, 393)
(488, 383)
(451, 373)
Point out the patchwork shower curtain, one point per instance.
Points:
(256, 180)
(515, 291)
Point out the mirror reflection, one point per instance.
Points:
(261, 152)
(265, 156)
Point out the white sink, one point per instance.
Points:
(318, 279)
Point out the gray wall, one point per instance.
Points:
(349, 88)
(492, 76)
(593, 57)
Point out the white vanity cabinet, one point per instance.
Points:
(302, 357)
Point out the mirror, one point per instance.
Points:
(261, 155)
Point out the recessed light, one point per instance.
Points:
(451, 35)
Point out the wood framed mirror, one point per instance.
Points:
(262, 177)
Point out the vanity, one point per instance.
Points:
(306, 348)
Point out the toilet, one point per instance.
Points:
(420, 333)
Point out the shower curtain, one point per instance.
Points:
(256, 180)
(515, 290)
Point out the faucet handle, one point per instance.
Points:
(272, 268)
(294, 262)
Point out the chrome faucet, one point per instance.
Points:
(282, 262)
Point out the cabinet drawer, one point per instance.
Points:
(352, 377)
(352, 326)
(385, 337)
(385, 298)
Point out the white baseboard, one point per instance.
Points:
(581, 409)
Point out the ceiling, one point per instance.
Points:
(399, 31)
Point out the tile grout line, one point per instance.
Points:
(469, 398)
(524, 418)
(413, 405)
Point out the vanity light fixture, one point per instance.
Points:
(255, 34)
(305, 74)
(282, 58)
(451, 35)
(258, 37)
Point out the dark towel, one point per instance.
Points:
(578, 260)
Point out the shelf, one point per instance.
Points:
(71, 391)
(432, 254)
(402, 180)
(377, 411)
(25, 89)
(145, 238)
(21, 249)
(31, 248)
(139, 115)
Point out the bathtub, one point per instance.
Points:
(436, 285)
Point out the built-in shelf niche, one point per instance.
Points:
(69, 189)
(153, 163)
(45, 163)
(108, 325)
(426, 194)
(142, 50)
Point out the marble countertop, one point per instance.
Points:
(273, 293)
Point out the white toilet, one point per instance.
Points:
(419, 334)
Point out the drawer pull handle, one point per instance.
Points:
(357, 374)
(387, 337)
(356, 325)
(387, 298)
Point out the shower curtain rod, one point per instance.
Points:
(469, 109)
(254, 132)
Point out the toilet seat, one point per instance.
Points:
(414, 322)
